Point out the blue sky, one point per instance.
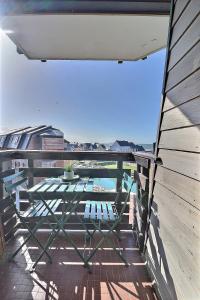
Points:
(87, 100)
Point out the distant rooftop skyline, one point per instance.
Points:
(90, 101)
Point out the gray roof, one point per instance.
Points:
(125, 143)
(52, 132)
(20, 138)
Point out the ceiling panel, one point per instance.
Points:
(82, 36)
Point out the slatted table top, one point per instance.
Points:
(63, 187)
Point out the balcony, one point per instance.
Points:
(66, 278)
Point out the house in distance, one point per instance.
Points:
(125, 146)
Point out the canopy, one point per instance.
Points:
(53, 33)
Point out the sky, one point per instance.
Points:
(90, 101)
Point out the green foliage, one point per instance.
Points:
(69, 168)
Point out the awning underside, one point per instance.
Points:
(87, 36)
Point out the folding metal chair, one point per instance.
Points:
(60, 222)
(100, 213)
(36, 214)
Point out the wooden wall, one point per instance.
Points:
(173, 245)
(54, 143)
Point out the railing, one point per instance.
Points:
(143, 197)
(9, 222)
(142, 176)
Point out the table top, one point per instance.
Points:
(49, 187)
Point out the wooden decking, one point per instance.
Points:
(67, 279)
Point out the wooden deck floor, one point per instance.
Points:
(67, 279)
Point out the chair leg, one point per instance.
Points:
(117, 251)
(48, 243)
(105, 237)
(111, 230)
(32, 234)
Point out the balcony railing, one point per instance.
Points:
(138, 208)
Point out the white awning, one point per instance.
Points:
(87, 36)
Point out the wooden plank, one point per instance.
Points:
(173, 237)
(65, 155)
(185, 163)
(187, 114)
(184, 187)
(187, 17)
(82, 172)
(5, 202)
(119, 179)
(145, 155)
(9, 225)
(138, 218)
(141, 180)
(10, 234)
(188, 65)
(185, 91)
(187, 41)
(2, 240)
(142, 161)
(30, 178)
(140, 222)
(185, 139)
(6, 155)
(178, 231)
(141, 207)
(8, 214)
(178, 10)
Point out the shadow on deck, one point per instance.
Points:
(67, 279)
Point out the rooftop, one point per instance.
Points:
(20, 138)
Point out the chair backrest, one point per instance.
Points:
(127, 184)
(18, 178)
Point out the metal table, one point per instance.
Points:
(82, 185)
(63, 190)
